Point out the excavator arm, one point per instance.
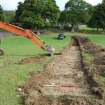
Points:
(27, 34)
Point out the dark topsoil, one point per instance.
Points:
(29, 60)
(96, 69)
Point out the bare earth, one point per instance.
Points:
(68, 78)
(66, 84)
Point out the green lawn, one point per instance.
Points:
(98, 39)
(13, 74)
(17, 48)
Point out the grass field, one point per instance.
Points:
(12, 74)
(98, 39)
(16, 48)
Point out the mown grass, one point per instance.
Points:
(16, 48)
(98, 39)
(12, 74)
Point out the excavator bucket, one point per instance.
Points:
(49, 49)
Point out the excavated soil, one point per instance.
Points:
(37, 59)
(96, 67)
(30, 60)
(63, 82)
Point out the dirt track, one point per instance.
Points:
(68, 77)
(66, 84)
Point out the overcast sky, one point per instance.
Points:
(12, 4)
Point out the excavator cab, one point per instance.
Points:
(27, 34)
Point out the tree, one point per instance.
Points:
(75, 13)
(9, 16)
(37, 13)
(103, 2)
(50, 12)
(98, 18)
(19, 12)
(1, 14)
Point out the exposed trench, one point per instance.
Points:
(68, 77)
(65, 82)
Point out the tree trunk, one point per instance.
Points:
(97, 29)
(74, 28)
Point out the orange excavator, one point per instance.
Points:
(27, 34)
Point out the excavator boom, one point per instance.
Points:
(22, 32)
(25, 33)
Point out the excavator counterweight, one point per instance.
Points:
(27, 34)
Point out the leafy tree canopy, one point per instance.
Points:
(75, 13)
(1, 14)
(98, 18)
(37, 13)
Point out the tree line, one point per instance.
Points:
(40, 14)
